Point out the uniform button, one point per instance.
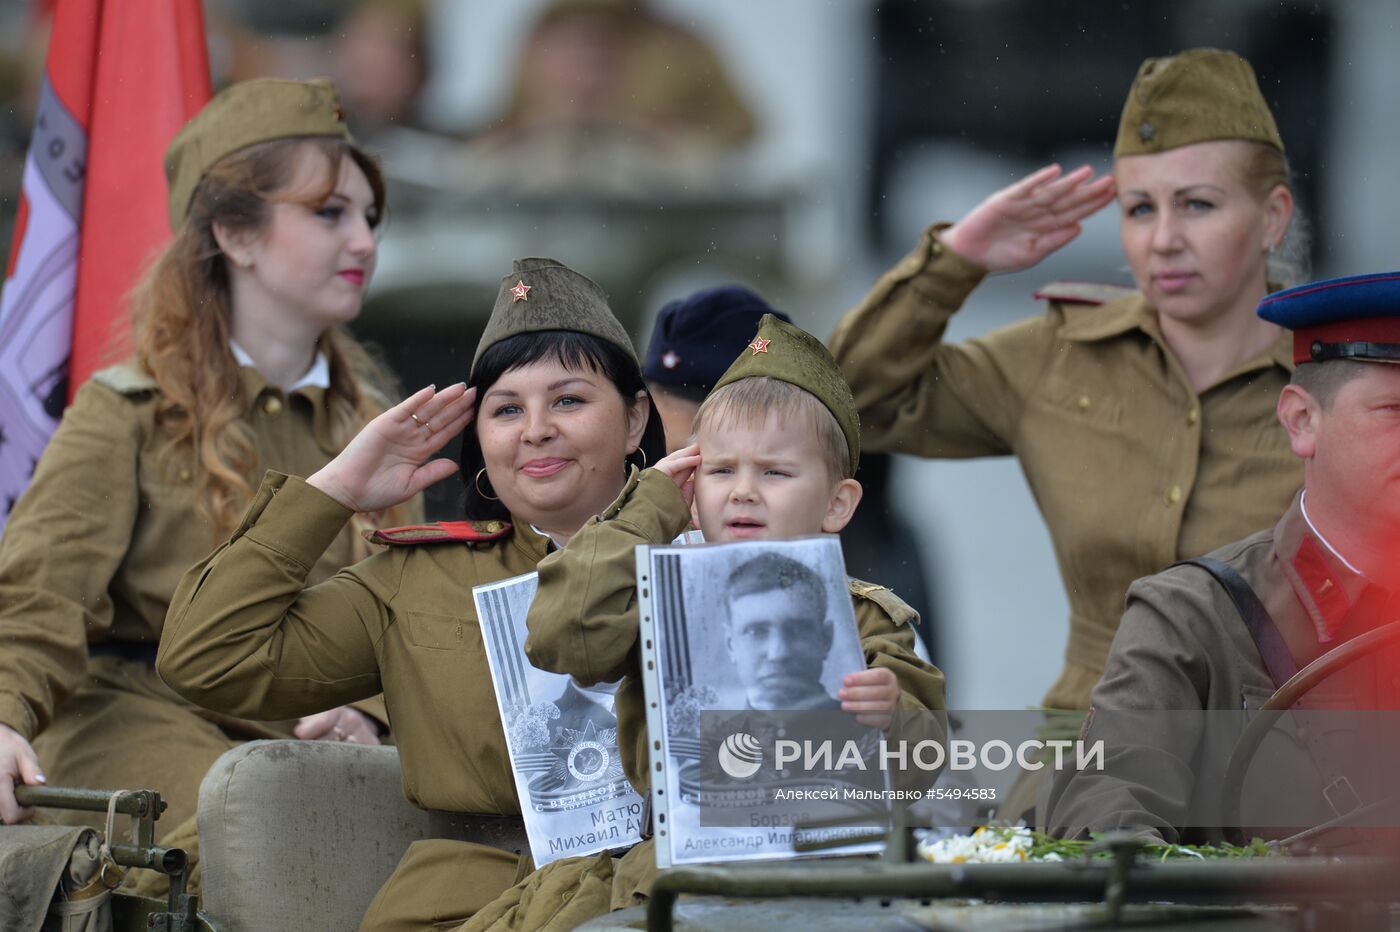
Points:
(1174, 494)
(272, 406)
(185, 475)
(1193, 416)
(1083, 402)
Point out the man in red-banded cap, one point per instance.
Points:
(1226, 631)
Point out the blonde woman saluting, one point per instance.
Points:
(1143, 419)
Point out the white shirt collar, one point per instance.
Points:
(548, 535)
(318, 376)
(1303, 506)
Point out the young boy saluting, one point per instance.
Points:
(777, 444)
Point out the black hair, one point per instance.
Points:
(571, 350)
(770, 572)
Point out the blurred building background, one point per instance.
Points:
(797, 146)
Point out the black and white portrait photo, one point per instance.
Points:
(749, 631)
(562, 738)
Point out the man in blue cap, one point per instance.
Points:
(1225, 631)
(695, 340)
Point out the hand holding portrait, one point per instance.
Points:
(871, 695)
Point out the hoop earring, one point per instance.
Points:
(489, 498)
(627, 465)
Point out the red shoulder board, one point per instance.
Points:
(1082, 292)
(443, 532)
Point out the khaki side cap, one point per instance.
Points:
(1200, 95)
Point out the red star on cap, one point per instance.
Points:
(520, 291)
(759, 345)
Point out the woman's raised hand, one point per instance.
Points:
(1020, 225)
(387, 461)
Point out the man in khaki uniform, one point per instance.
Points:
(584, 619)
(1324, 574)
(1138, 448)
(95, 547)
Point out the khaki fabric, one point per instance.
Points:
(242, 115)
(1130, 467)
(584, 622)
(91, 554)
(556, 898)
(248, 636)
(33, 860)
(1196, 96)
(301, 834)
(544, 294)
(1183, 646)
(786, 352)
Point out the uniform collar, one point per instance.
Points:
(256, 388)
(318, 376)
(1088, 324)
(530, 542)
(1327, 586)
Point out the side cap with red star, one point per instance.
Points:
(1357, 317)
(786, 352)
(545, 294)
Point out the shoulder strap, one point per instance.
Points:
(1278, 659)
(441, 532)
(899, 611)
(125, 379)
(1082, 292)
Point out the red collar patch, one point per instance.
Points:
(441, 532)
(1325, 588)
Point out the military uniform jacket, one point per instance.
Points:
(247, 636)
(96, 545)
(584, 619)
(1183, 645)
(1130, 467)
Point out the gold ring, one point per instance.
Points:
(339, 734)
(418, 422)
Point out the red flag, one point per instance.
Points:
(122, 77)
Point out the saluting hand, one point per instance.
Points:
(1020, 225)
(681, 466)
(872, 695)
(387, 461)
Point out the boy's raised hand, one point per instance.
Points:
(681, 466)
(872, 695)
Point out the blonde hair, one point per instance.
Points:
(1265, 168)
(182, 324)
(749, 403)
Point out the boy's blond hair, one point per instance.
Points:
(749, 402)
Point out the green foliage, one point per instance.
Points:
(1080, 848)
